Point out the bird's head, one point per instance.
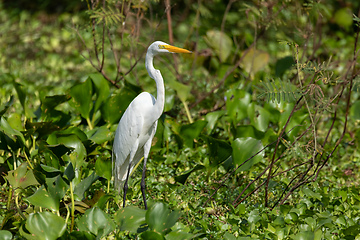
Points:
(162, 47)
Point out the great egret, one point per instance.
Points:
(138, 124)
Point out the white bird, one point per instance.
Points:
(138, 124)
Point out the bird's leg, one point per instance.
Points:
(126, 184)
(142, 184)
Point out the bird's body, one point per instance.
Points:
(138, 124)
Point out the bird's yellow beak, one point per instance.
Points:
(174, 49)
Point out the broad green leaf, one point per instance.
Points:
(57, 187)
(102, 89)
(100, 135)
(184, 175)
(5, 235)
(115, 106)
(243, 149)
(96, 221)
(219, 150)
(10, 132)
(21, 177)
(21, 93)
(182, 90)
(45, 225)
(69, 172)
(84, 185)
(254, 60)
(160, 218)
(50, 102)
(178, 235)
(42, 198)
(15, 122)
(220, 42)
(259, 117)
(191, 131)
(71, 141)
(151, 236)
(237, 102)
(82, 98)
(304, 235)
(244, 131)
(212, 118)
(103, 168)
(130, 218)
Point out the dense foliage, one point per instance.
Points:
(259, 138)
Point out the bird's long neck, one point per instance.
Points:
(160, 89)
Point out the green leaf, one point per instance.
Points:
(243, 149)
(245, 131)
(100, 135)
(130, 218)
(259, 117)
(220, 42)
(50, 102)
(178, 235)
(304, 235)
(160, 218)
(115, 106)
(103, 168)
(282, 65)
(5, 235)
(71, 141)
(84, 185)
(45, 225)
(212, 118)
(191, 131)
(151, 236)
(219, 150)
(102, 89)
(182, 90)
(82, 98)
(15, 122)
(343, 17)
(184, 175)
(10, 132)
(42, 198)
(254, 60)
(5, 106)
(57, 187)
(21, 177)
(96, 221)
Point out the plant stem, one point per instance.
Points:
(72, 207)
(187, 112)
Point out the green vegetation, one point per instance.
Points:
(259, 139)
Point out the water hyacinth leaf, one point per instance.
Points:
(160, 218)
(45, 225)
(151, 236)
(100, 135)
(220, 42)
(50, 102)
(184, 175)
(243, 149)
(96, 221)
(182, 90)
(15, 122)
(191, 131)
(84, 185)
(82, 98)
(212, 118)
(42, 198)
(355, 110)
(10, 132)
(113, 108)
(254, 60)
(130, 218)
(219, 150)
(21, 177)
(57, 187)
(5, 235)
(103, 168)
(102, 89)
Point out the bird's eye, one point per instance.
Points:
(162, 46)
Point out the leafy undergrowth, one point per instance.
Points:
(259, 139)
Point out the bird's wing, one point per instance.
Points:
(127, 137)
